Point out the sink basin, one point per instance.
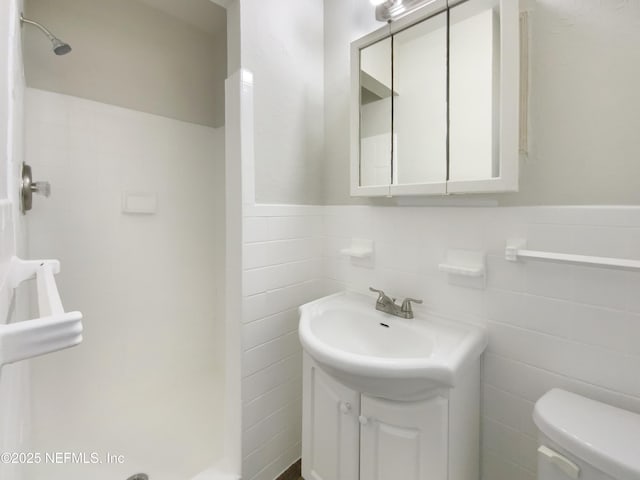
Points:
(383, 355)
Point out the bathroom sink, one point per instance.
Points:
(383, 355)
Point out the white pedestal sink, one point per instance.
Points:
(383, 355)
(385, 397)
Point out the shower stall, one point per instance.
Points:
(129, 130)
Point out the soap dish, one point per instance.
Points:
(465, 263)
(360, 248)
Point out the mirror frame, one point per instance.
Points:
(509, 130)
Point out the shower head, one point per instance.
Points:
(59, 47)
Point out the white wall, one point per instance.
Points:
(12, 85)
(92, 153)
(282, 44)
(130, 54)
(7, 49)
(150, 286)
(14, 388)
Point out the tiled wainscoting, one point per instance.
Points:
(550, 325)
(282, 269)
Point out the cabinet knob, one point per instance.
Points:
(345, 407)
(363, 420)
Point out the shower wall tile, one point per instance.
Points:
(151, 287)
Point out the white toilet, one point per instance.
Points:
(584, 439)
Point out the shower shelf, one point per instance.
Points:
(516, 250)
(55, 329)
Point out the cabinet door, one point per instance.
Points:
(420, 108)
(484, 96)
(330, 429)
(403, 440)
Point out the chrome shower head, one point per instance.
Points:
(59, 47)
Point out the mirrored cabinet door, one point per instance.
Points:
(420, 107)
(484, 96)
(376, 94)
(474, 65)
(436, 102)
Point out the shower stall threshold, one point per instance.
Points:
(216, 473)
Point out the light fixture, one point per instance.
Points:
(390, 10)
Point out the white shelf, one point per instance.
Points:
(515, 251)
(54, 330)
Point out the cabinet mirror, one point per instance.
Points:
(435, 107)
(375, 114)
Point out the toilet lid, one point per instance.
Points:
(606, 437)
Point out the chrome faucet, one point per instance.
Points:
(389, 305)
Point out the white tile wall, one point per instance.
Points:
(282, 268)
(150, 286)
(92, 153)
(550, 325)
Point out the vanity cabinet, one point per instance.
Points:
(331, 446)
(405, 440)
(348, 435)
(435, 101)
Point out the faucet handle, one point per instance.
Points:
(380, 293)
(406, 305)
(43, 188)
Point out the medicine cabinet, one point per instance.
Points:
(436, 101)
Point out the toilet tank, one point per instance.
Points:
(552, 469)
(586, 440)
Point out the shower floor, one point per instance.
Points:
(169, 432)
